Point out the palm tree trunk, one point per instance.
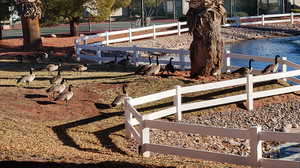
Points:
(207, 47)
(31, 33)
(74, 27)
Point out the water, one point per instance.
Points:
(285, 46)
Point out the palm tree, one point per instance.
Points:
(207, 48)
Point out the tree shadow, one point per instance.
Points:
(61, 132)
(103, 164)
(7, 85)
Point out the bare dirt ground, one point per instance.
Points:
(36, 131)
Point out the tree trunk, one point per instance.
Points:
(1, 31)
(207, 47)
(31, 33)
(74, 27)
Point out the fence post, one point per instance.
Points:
(128, 117)
(145, 139)
(135, 55)
(99, 55)
(179, 28)
(227, 62)
(182, 59)
(292, 18)
(263, 19)
(130, 35)
(177, 103)
(249, 90)
(154, 31)
(255, 146)
(107, 37)
(284, 66)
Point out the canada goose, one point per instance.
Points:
(271, 68)
(142, 68)
(59, 88)
(125, 61)
(80, 68)
(27, 78)
(120, 98)
(56, 79)
(244, 70)
(65, 96)
(169, 67)
(153, 69)
(52, 67)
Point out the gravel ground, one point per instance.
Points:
(275, 117)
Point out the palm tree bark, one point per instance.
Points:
(74, 27)
(207, 48)
(31, 33)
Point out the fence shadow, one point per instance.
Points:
(103, 135)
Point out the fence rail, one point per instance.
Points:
(255, 135)
(155, 31)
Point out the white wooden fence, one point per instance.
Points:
(174, 28)
(255, 135)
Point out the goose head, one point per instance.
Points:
(125, 86)
(276, 58)
(250, 63)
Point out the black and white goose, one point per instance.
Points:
(153, 69)
(65, 96)
(170, 67)
(120, 98)
(142, 68)
(57, 88)
(56, 79)
(27, 78)
(272, 68)
(244, 70)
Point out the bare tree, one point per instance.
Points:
(207, 48)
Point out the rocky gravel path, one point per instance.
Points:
(275, 117)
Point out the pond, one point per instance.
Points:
(285, 46)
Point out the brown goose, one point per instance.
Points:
(65, 96)
(27, 78)
(244, 70)
(153, 69)
(120, 98)
(56, 79)
(57, 88)
(142, 68)
(271, 68)
(53, 67)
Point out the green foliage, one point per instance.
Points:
(5, 12)
(295, 10)
(66, 10)
(241, 14)
(149, 6)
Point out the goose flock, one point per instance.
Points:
(60, 91)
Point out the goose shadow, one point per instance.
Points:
(45, 102)
(29, 87)
(102, 106)
(104, 135)
(7, 85)
(35, 96)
